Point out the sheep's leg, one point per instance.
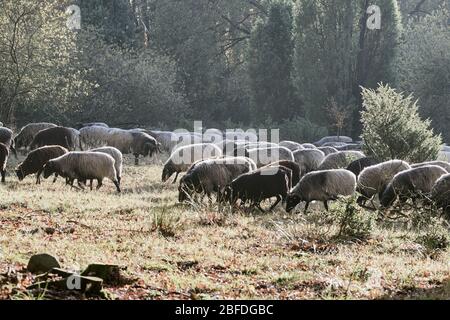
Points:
(176, 176)
(81, 184)
(306, 207)
(117, 184)
(325, 203)
(38, 176)
(99, 184)
(3, 172)
(118, 179)
(136, 159)
(275, 204)
(56, 177)
(91, 184)
(258, 205)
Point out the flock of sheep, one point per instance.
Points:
(234, 165)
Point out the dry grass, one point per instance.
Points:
(177, 251)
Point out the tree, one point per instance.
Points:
(393, 129)
(270, 64)
(423, 67)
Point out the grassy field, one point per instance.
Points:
(173, 251)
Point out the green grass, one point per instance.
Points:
(178, 251)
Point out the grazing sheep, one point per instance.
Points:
(117, 156)
(373, 179)
(349, 146)
(212, 175)
(91, 124)
(334, 144)
(83, 166)
(6, 137)
(262, 184)
(36, 159)
(265, 156)
(60, 136)
(308, 159)
(340, 160)
(26, 135)
(327, 150)
(291, 165)
(412, 183)
(248, 136)
(440, 193)
(228, 147)
(182, 158)
(4, 153)
(332, 139)
(442, 164)
(308, 146)
(291, 145)
(322, 186)
(94, 136)
(360, 164)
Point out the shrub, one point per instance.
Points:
(436, 238)
(166, 223)
(393, 129)
(354, 222)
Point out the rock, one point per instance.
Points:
(108, 272)
(41, 263)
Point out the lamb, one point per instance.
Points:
(442, 164)
(265, 156)
(212, 175)
(291, 165)
(308, 159)
(291, 145)
(117, 156)
(331, 139)
(26, 135)
(182, 158)
(340, 160)
(6, 137)
(61, 136)
(36, 159)
(327, 150)
(83, 166)
(373, 179)
(413, 183)
(94, 136)
(254, 187)
(360, 164)
(4, 153)
(322, 186)
(440, 193)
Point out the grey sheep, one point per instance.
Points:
(94, 136)
(91, 124)
(4, 153)
(26, 135)
(291, 165)
(360, 164)
(308, 146)
(440, 193)
(83, 166)
(291, 145)
(340, 160)
(322, 186)
(35, 161)
(374, 179)
(327, 150)
(265, 156)
(442, 164)
(182, 158)
(65, 137)
(411, 184)
(6, 137)
(332, 139)
(212, 175)
(308, 160)
(117, 156)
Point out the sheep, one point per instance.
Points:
(212, 175)
(291, 145)
(25, 136)
(329, 139)
(249, 135)
(442, 164)
(81, 125)
(334, 144)
(444, 156)
(440, 193)
(327, 150)
(117, 156)
(260, 144)
(83, 165)
(36, 159)
(412, 183)
(6, 137)
(308, 146)
(4, 153)
(291, 165)
(308, 159)
(228, 147)
(94, 136)
(265, 156)
(254, 187)
(445, 148)
(360, 164)
(322, 186)
(182, 158)
(373, 179)
(61, 136)
(212, 136)
(349, 146)
(340, 160)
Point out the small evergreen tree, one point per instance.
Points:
(393, 129)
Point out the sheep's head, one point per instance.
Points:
(292, 201)
(185, 189)
(19, 172)
(49, 169)
(167, 172)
